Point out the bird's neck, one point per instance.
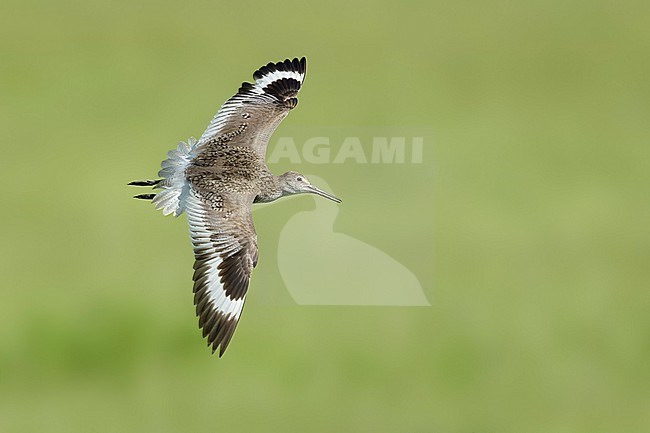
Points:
(270, 190)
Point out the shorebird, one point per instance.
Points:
(216, 179)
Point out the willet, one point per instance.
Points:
(216, 179)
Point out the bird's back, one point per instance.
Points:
(227, 169)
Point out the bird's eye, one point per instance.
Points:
(299, 179)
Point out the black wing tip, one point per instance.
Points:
(220, 332)
(222, 339)
(284, 89)
(221, 349)
(245, 87)
(295, 65)
(216, 327)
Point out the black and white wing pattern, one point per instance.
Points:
(255, 111)
(225, 252)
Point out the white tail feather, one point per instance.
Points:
(175, 187)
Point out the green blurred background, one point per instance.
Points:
(527, 223)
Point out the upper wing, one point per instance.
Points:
(225, 251)
(250, 116)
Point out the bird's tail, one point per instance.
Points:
(153, 183)
(145, 182)
(173, 183)
(145, 196)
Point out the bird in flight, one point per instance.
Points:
(216, 179)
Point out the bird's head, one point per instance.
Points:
(296, 183)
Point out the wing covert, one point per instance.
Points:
(250, 116)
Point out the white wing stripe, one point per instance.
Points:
(204, 245)
(278, 75)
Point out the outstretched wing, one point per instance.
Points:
(225, 252)
(250, 116)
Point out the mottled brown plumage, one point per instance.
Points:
(216, 179)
